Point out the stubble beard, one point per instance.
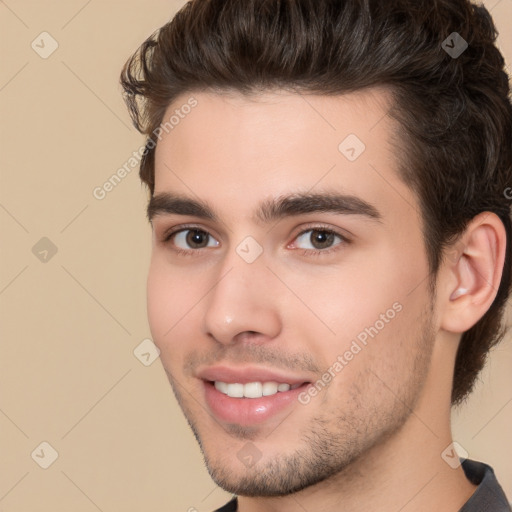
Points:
(330, 444)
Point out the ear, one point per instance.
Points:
(472, 273)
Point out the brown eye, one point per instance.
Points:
(321, 239)
(190, 238)
(196, 238)
(317, 239)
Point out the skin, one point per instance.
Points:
(373, 438)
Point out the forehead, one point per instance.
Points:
(236, 150)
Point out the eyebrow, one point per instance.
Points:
(270, 210)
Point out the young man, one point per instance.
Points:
(331, 253)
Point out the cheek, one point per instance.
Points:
(362, 291)
(374, 368)
(170, 298)
(170, 309)
(343, 302)
(366, 310)
(159, 301)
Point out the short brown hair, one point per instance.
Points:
(454, 112)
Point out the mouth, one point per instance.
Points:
(250, 403)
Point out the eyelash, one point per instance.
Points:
(305, 252)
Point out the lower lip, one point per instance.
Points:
(249, 411)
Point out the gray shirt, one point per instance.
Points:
(489, 496)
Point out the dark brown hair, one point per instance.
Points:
(454, 112)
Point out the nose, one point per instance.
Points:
(243, 303)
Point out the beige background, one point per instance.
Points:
(69, 326)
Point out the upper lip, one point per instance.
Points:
(243, 375)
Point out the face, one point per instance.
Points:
(286, 250)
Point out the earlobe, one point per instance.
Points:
(473, 277)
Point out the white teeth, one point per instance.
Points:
(235, 390)
(269, 388)
(252, 389)
(221, 386)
